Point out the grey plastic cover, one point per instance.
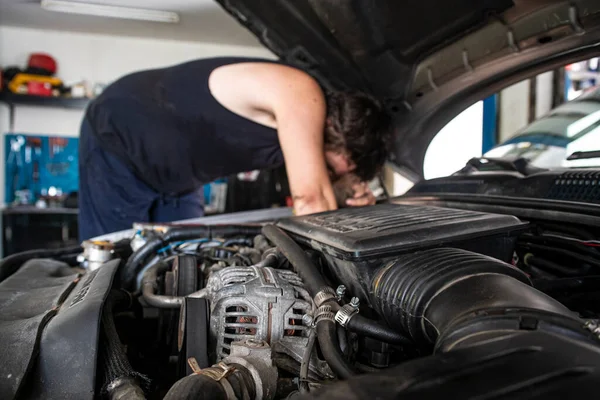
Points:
(355, 233)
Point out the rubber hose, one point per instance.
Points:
(303, 265)
(376, 330)
(328, 342)
(12, 263)
(576, 232)
(242, 382)
(136, 262)
(566, 244)
(314, 282)
(196, 387)
(554, 267)
(565, 253)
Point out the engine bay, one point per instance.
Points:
(390, 301)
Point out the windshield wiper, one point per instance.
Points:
(520, 165)
(584, 155)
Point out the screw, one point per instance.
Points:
(307, 319)
(355, 302)
(340, 291)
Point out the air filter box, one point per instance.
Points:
(358, 241)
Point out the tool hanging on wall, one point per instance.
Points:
(15, 162)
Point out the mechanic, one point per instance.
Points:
(152, 139)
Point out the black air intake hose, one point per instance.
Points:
(136, 262)
(425, 293)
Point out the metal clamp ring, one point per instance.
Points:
(324, 295)
(324, 313)
(344, 314)
(216, 372)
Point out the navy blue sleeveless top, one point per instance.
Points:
(173, 134)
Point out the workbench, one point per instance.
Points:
(27, 228)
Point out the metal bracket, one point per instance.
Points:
(430, 78)
(510, 37)
(466, 63)
(574, 20)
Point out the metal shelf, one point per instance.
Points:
(12, 100)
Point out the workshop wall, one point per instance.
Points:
(93, 58)
(514, 109)
(515, 106)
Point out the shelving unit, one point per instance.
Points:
(13, 100)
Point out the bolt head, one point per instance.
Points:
(340, 291)
(307, 319)
(355, 302)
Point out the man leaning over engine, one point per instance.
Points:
(152, 139)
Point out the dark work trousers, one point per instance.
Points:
(112, 198)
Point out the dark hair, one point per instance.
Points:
(359, 125)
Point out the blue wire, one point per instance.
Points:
(176, 244)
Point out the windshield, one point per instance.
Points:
(548, 141)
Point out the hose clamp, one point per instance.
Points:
(324, 313)
(324, 295)
(217, 372)
(593, 326)
(344, 314)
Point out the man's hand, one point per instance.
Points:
(363, 196)
(350, 191)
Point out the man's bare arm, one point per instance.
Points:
(296, 104)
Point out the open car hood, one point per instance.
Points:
(428, 59)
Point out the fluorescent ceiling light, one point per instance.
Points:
(100, 10)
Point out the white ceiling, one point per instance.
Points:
(200, 21)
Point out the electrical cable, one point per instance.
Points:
(305, 364)
(562, 252)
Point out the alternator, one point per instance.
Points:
(258, 303)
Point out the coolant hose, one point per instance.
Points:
(12, 263)
(328, 342)
(303, 265)
(137, 260)
(207, 385)
(376, 330)
(428, 293)
(314, 282)
(196, 387)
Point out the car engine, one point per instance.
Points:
(390, 301)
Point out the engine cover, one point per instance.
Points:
(357, 241)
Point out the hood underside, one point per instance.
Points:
(427, 59)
